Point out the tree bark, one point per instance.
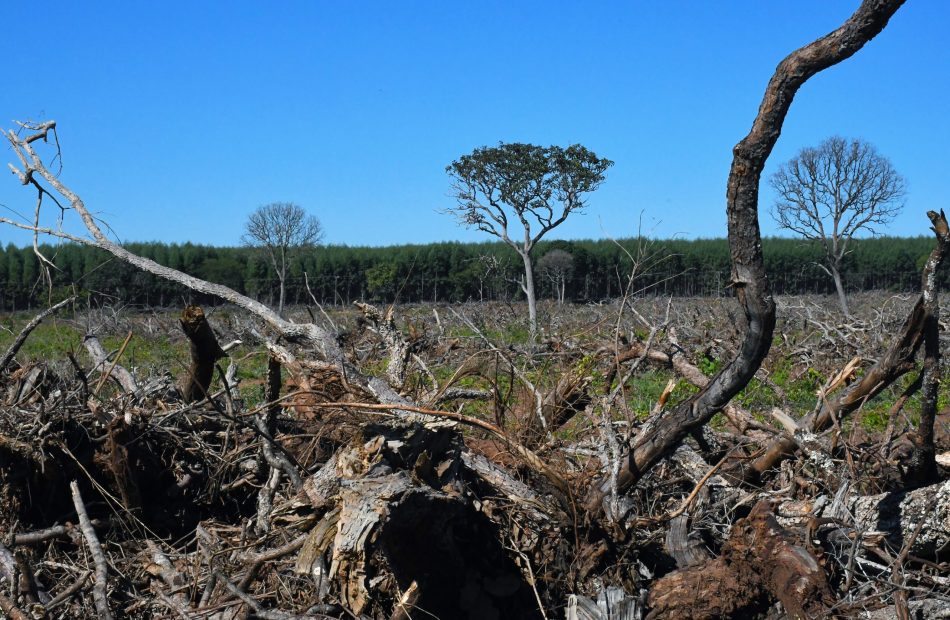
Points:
(748, 268)
(530, 294)
(839, 287)
(924, 465)
(205, 351)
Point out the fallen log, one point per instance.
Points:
(897, 515)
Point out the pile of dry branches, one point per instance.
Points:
(365, 484)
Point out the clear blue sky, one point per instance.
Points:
(177, 119)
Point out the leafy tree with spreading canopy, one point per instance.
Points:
(829, 193)
(281, 229)
(523, 184)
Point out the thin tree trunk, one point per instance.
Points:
(839, 286)
(529, 292)
(280, 304)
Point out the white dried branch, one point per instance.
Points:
(99, 592)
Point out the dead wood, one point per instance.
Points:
(398, 347)
(379, 551)
(749, 279)
(896, 515)
(897, 361)
(611, 603)
(760, 562)
(924, 465)
(205, 351)
(107, 369)
(99, 589)
(9, 607)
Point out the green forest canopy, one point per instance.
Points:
(453, 272)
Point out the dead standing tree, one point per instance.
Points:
(281, 229)
(830, 193)
(663, 433)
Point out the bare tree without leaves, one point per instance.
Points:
(281, 229)
(829, 193)
(523, 185)
(557, 266)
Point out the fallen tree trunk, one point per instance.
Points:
(745, 242)
(898, 514)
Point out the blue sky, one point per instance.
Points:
(177, 119)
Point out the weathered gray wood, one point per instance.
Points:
(612, 604)
(898, 514)
(101, 360)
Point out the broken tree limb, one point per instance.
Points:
(205, 351)
(745, 242)
(396, 344)
(109, 369)
(924, 464)
(897, 361)
(28, 329)
(99, 588)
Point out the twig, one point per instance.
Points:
(175, 606)
(63, 596)
(99, 594)
(10, 608)
(39, 536)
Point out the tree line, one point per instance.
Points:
(455, 272)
